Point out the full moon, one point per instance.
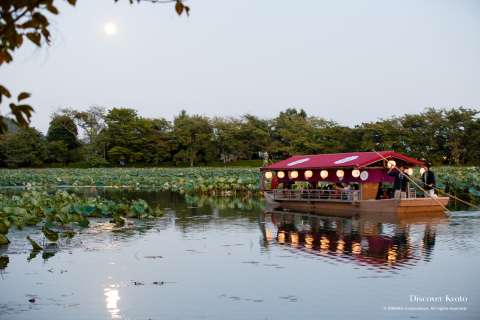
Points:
(110, 28)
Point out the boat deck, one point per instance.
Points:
(349, 201)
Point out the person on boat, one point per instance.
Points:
(344, 189)
(400, 182)
(428, 180)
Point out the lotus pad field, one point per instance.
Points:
(212, 181)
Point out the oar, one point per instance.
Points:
(456, 198)
(408, 177)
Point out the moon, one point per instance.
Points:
(110, 28)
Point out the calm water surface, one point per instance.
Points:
(219, 259)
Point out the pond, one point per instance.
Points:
(230, 259)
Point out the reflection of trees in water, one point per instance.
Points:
(202, 212)
(192, 212)
(365, 241)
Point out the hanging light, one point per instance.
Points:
(391, 164)
(308, 174)
(422, 170)
(340, 174)
(409, 171)
(324, 174)
(281, 174)
(364, 175)
(268, 175)
(294, 174)
(355, 173)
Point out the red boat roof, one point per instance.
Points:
(339, 160)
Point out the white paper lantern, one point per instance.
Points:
(324, 174)
(364, 175)
(294, 174)
(268, 175)
(391, 164)
(308, 174)
(355, 173)
(409, 171)
(281, 174)
(340, 174)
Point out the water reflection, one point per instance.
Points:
(112, 296)
(384, 242)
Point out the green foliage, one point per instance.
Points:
(213, 181)
(61, 211)
(57, 152)
(25, 148)
(63, 128)
(121, 137)
(193, 137)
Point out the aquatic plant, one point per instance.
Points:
(59, 213)
(212, 181)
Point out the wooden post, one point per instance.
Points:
(262, 181)
(369, 190)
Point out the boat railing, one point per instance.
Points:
(317, 195)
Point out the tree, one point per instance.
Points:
(119, 155)
(383, 135)
(91, 121)
(157, 143)
(255, 136)
(25, 148)
(57, 152)
(226, 135)
(63, 128)
(194, 137)
(294, 132)
(22, 20)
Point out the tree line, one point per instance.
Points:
(120, 136)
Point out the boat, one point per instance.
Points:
(345, 183)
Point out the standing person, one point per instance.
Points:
(400, 183)
(428, 179)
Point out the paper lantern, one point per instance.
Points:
(391, 164)
(409, 171)
(324, 174)
(364, 175)
(294, 174)
(422, 170)
(281, 174)
(340, 174)
(308, 174)
(268, 174)
(355, 173)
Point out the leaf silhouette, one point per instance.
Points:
(179, 7)
(23, 95)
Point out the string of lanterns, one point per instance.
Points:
(308, 174)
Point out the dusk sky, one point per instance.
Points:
(349, 61)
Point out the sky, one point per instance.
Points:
(348, 61)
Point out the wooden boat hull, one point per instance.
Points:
(422, 206)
